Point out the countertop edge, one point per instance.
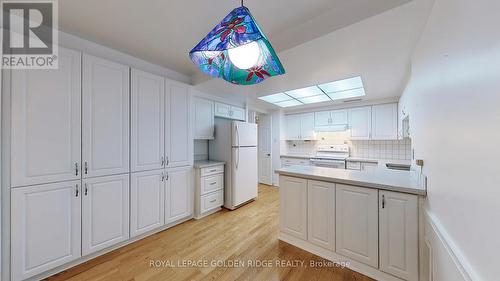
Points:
(296, 156)
(208, 164)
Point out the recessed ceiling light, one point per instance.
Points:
(347, 94)
(276, 98)
(305, 92)
(342, 85)
(315, 99)
(288, 103)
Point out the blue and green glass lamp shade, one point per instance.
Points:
(237, 51)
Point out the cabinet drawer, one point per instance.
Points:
(353, 165)
(211, 201)
(211, 183)
(212, 170)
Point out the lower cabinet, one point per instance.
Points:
(293, 206)
(321, 214)
(147, 201)
(105, 212)
(357, 223)
(45, 227)
(179, 194)
(398, 226)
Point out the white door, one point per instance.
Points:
(203, 111)
(385, 122)
(237, 113)
(292, 124)
(46, 122)
(244, 180)
(293, 206)
(222, 110)
(178, 142)
(147, 201)
(307, 126)
(105, 212)
(360, 120)
(339, 117)
(356, 223)
(105, 131)
(178, 194)
(321, 214)
(45, 227)
(398, 217)
(147, 117)
(322, 119)
(265, 150)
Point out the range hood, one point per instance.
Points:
(331, 128)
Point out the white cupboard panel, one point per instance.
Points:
(307, 126)
(178, 194)
(105, 132)
(46, 227)
(322, 119)
(238, 113)
(339, 117)
(360, 123)
(46, 122)
(399, 234)
(222, 110)
(292, 125)
(321, 214)
(147, 201)
(356, 223)
(105, 212)
(147, 118)
(178, 139)
(385, 122)
(203, 111)
(293, 206)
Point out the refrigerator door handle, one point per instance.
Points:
(237, 157)
(237, 135)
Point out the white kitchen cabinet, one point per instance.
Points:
(300, 127)
(398, 224)
(178, 194)
(45, 227)
(147, 116)
(46, 122)
(147, 201)
(324, 119)
(209, 190)
(105, 111)
(321, 214)
(293, 206)
(292, 127)
(178, 140)
(238, 113)
(360, 120)
(339, 117)
(356, 223)
(203, 112)
(105, 212)
(229, 111)
(385, 122)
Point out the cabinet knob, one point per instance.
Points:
(76, 191)
(76, 169)
(163, 161)
(383, 201)
(86, 190)
(86, 168)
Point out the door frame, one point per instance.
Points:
(261, 116)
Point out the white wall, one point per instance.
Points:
(453, 100)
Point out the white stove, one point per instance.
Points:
(331, 156)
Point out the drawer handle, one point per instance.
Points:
(212, 183)
(213, 200)
(211, 171)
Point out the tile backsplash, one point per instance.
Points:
(389, 149)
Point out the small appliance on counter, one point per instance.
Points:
(331, 156)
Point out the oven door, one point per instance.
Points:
(328, 163)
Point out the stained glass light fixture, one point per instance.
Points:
(237, 51)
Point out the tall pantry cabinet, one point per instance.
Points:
(78, 135)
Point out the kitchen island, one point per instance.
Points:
(369, 219)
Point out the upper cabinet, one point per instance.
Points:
(229, 111)
(46, 122)
(178, 140)
(385, 122)
(147, 118)
(300, 127)
(203, 114)
(325, 119)
(105, 111)
(360, 123)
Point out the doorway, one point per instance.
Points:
(264, 123)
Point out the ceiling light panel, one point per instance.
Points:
(347, 94)
(276, 98)
(315, 99)
(288, 103)
(342, 85)
(305, 92)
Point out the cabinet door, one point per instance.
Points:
(385, 122)
(307, 127)
(147, 116)
(321, 214)
(399, 234)
(105, 212)
(46, 227)
(105, 132)
(203, 111)
(178, 140)
(356, 223)
(222, 110)
(238, 113)
(292, 127)
(360, 123)
(293, 206)
(322, 119)
(147, 201)
(178, 194)
(339, 117)
(46, 122)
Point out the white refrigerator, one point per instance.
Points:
(236, 143)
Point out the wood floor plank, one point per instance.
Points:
(249, 233)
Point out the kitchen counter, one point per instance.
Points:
(385, 179)
(207, 163)
(297, 156)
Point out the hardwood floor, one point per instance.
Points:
(248, 234)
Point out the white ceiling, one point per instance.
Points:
(164, 31)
